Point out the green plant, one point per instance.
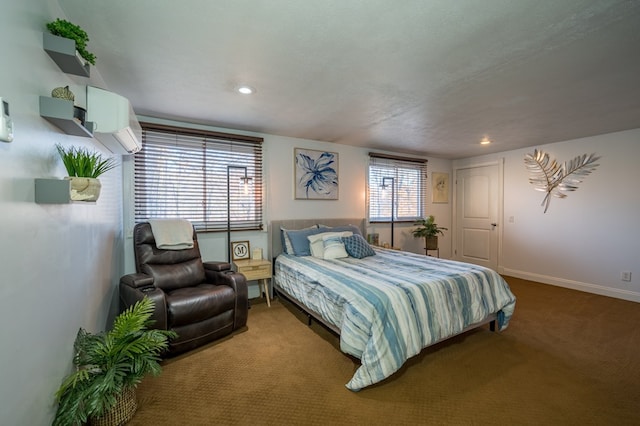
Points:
(81, 162)
(108, 363)
(66, 29)
(427, 228)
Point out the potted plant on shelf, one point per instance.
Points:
(428, 230)
(66, 29)
(83, 168)
(109, 366)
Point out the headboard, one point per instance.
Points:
(275, 225)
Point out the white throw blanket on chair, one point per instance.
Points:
(172, 234)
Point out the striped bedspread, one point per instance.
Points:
(390, 306)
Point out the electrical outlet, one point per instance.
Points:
(625, 276)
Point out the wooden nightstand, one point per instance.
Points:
(256, 270)
(387, 247)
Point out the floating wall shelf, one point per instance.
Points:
(63, 52)
(60, 112)
(55, 191)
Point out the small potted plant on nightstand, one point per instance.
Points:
(84, 167)
(428, 230)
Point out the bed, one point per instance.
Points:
(388, 305)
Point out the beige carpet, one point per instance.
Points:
(568, 358)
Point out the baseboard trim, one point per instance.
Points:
(631, 296)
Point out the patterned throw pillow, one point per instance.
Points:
(357, 246)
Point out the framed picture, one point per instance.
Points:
(440, 187)
(240, 250)
(316, 174)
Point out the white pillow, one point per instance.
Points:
(316, 243)
(334, 247)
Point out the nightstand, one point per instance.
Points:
(387, 246)
(256, 270)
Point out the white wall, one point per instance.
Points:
(278, 163)
(59, 263)
(585, 240)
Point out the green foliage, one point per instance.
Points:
(66, 29)
(81, 162)
(427, 228)
(107, 363)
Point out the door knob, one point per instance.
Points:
(494, 225)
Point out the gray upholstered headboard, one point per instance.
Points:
(275, 240)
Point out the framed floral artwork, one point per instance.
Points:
(316, 174)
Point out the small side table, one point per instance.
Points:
(437, 250)
(387, 247)
(256, 270)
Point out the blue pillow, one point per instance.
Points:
(357, 246)
(299, 241)
(342, 228)
(286, 242)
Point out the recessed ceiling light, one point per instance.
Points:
(485, 141)
(246, 90)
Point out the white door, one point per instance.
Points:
(477, 213)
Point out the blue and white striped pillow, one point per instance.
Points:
(334, 247)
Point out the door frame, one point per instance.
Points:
(500, 208)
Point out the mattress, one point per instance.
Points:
(390, 306)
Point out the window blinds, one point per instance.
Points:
(408, 177)
(183, 173)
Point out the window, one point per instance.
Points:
(396, 184)
(199, 176)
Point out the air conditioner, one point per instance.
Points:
(114, 123)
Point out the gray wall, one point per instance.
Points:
(59, 263)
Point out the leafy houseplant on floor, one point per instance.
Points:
(83, 168)
(109, 367)
(428, 230)
(66, 29)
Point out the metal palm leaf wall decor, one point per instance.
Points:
(555, 179)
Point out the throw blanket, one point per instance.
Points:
(172, 234)
(390, 306)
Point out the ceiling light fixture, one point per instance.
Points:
(246, 90)
(485, 141)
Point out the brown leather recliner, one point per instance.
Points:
(201, 301)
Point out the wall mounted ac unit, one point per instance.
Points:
(115, 123)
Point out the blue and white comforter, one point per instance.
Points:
(390, 306)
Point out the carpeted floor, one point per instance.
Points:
(567, 358)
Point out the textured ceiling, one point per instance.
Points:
(429, 77)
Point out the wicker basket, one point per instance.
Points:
(122, 412)
(432, 242)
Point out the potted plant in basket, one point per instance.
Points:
(428, 230)
(83, 168)
(109, 366)
(66, 29)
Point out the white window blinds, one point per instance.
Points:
(182, 173)
(397, 185)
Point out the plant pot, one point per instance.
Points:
(432, 242)
(122, 412)
(84, 189)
